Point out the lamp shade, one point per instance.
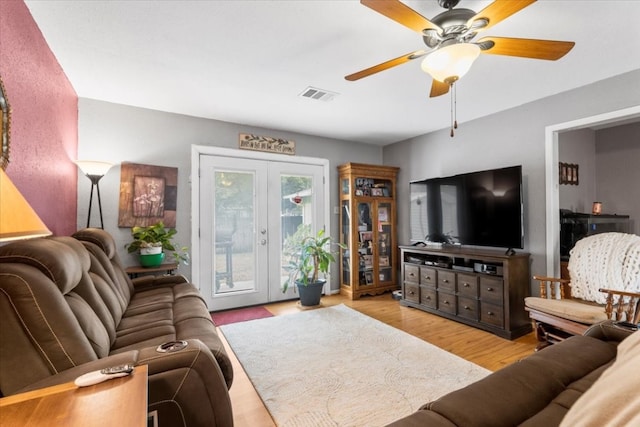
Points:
(18, 220)
(93, 168)
(450, 63)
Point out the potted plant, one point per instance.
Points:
(309, 256)
(151, 242)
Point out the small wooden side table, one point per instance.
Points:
(118, 402)
(137, 270)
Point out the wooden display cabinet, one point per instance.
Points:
(367, 229)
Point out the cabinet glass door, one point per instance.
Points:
(384, 253)
(365, 245)
(345, 239)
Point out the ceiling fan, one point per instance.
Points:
(450, 36)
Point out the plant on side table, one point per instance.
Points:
(152, 241)
(309, 256)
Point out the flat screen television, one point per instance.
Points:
(477, 209)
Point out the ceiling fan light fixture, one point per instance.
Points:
(450, 63)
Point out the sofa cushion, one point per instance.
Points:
(521, 390)
(613, 400)
(558, 408)
(572, 309)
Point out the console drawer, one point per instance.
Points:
(467, 285)
(447, 280)
(491, 314)
(411, 292)
(491, 290)
(427, 276)
(411, 273)
(468, 308)
(428, 297)
(447, 302)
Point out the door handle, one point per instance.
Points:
(263, 242)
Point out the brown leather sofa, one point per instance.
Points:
(67, 307)
(541, 389)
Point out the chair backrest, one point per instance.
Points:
(46, 325)
(102, 245)
(606, 260)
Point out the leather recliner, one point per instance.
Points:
(67, 308)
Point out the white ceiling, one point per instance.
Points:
(247, 61)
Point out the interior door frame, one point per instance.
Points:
(199, 150)
(552, 180)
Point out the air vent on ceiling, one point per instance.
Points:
(318, 94)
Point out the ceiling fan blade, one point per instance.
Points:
(526, 48)
(402, 14)
(385, 65)
(498, 11)
(438, 88)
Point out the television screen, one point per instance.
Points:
(478, 209)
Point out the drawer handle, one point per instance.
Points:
(411, 293)
(446, 302)
(445, 281)
(466, 307)
(490, 313)
(428, 277)
(466, 285)
(427, 298)
(411, 274)
(490, 289)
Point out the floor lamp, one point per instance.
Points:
(94, 171)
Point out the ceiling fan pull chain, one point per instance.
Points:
(455, 107)
(452, 104)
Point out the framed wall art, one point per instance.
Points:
(568, 174)
(148, 195)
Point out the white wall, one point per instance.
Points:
(578, 147)
(118, 133)
(618, 172)
(514, 136)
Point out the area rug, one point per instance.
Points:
(337, 367)
(239, 315)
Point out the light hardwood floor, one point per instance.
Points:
(479, 347)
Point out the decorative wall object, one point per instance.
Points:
(148, 194)
(264, 143)
(568, 173)
(5, 126)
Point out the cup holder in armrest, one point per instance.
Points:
(171, 346)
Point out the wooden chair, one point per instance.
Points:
(557, 314)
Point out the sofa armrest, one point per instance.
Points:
(609, 330)
(186, 387)
(143, 282)
(70, 375)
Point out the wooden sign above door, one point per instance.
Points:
(265, 143)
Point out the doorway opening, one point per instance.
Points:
(552, 176)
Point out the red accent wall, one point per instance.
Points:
(44, 119)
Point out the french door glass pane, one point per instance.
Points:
(234, 220)
(296, 214)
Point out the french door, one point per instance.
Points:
(249, 207)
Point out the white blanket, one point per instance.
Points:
(607, 260)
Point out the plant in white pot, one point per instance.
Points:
(152, 241)
(309, 256)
